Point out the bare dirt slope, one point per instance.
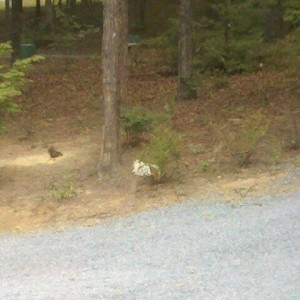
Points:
(62, 107)
(31, 184)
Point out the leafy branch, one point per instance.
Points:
(12, 79)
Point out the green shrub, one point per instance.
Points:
(243, 142)
(137, 121)
(236, 56)
(168, 44)
(276, 156)
(163, 150)
(67, 30)
(284, 53)
(292, 12)
(11, 80)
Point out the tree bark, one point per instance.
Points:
(15, 29)
(49, 16)
(185, 87)
(274, 26)
(59, 4)
(67, 6)
(114, 82)
(21, 6)
(142, 12)
(7, 10)
(38, 9)
(124, 61)
(227, 21)
(72, 7)
(139, 7)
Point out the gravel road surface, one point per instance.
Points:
(186, 251)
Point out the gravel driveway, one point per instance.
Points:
(187, 251)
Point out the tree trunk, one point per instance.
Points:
(17, 5)
(185, 87)
(15, 29)
(114, 81)
(274, 26)
(38, 9)
(67, 6)
(7, 10)
(227, 21)
(139, 7)
(72, 7)
(124, 61)
(49, 16)
(142, 12)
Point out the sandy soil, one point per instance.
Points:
(32, 184)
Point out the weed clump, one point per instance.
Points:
(243, 143)
(63, 191)
(163, 151)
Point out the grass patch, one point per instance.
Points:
(63, 190)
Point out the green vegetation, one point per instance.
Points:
(137, 121)
(242, 138)
(11, 80)
(67, 31)
(197, 149)
(233, 38)
(206, 165)
(244, 141)
(64, 190)
(163, 150)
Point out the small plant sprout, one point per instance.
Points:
(206, 165)
(196, 149)
(64, 190)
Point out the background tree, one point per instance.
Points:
(16, 28)
(274, 25)
(185, 86)
(7, 10)
(227, 20)
(67, 5)
(72, 6)
(49, 15)
(138, 8)
(124, 52)
(38, 9)
(113, 42)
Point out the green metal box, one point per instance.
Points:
(27, 50)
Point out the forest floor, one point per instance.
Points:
(62, 106)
